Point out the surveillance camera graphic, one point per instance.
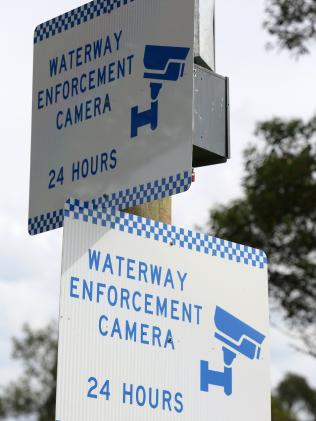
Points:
(238, 338)
(162, 63)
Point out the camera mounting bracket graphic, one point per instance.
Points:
(162, 63)
(238, 338)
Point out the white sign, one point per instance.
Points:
(112, 106)
(159, 323)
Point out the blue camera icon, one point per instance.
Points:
(237, 338)
(162, 63)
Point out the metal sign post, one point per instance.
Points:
(204, 33)
(158, 322)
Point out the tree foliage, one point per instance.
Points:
(292, 23)
(278, 214)
(278, 413)
(33, 394)
(294, 398)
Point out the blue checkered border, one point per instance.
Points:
(76, 17)
(124, 199)
(169, 234)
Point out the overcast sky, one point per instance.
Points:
(262, 85)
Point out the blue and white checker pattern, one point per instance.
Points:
(76, 17)
(46, 222)
(169, 234)
(124, 199)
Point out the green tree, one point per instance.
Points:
(292, 23)
(295, 398)
(34, 393)
(2, 413)
(278, 412)
(277, 213)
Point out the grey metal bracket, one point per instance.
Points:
(211, 127)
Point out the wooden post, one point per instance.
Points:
(159, 210)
